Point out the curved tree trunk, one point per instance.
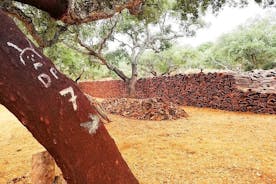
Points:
(56, 112)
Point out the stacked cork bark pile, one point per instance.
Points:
(144, 109)
(252, 92)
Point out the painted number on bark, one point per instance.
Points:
(30, 55)
(73, 98)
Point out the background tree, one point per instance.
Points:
(133, 35)
(170, 61)
(90, 40)
(138, 36)
(250, 46)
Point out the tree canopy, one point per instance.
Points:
(250, 46)
(79, 45)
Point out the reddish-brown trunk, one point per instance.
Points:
(132, 82)
(56, 112)
(56, 8)
(131, 87)
(64, 9)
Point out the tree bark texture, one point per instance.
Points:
(133, 80)
(56, 112)
(56, 8)
(82, 11)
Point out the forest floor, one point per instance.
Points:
(211, 146)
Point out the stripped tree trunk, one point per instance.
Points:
(56, 112)
(133, 80)
(56, 8)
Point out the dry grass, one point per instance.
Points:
(17, 146)
(212, 146)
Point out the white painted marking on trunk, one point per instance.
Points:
(93, 125)
(45, 80)
(73, 98)
(54, 72)
(14, 46)
(23, 51)
(37, 65)
(28, 57)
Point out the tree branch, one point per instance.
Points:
(124, 43)
(27, 21)
(149, 68)
(98, 55)
(55, 39)
(103, 42)
(11, 9)
(82, 13)
(77, 12)
(79, 77)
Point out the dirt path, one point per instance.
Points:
(212, 146)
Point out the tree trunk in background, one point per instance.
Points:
(133, 80)
(254, 60)
(56, 112)
(131, 87)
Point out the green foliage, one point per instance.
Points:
(73, 63)
(121, 59)
(192, 9)
(249, 47)
(269, 65)
(172, 60)
(45, 26)
(152, 10)
(232, 51)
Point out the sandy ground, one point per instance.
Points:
(211, 146)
